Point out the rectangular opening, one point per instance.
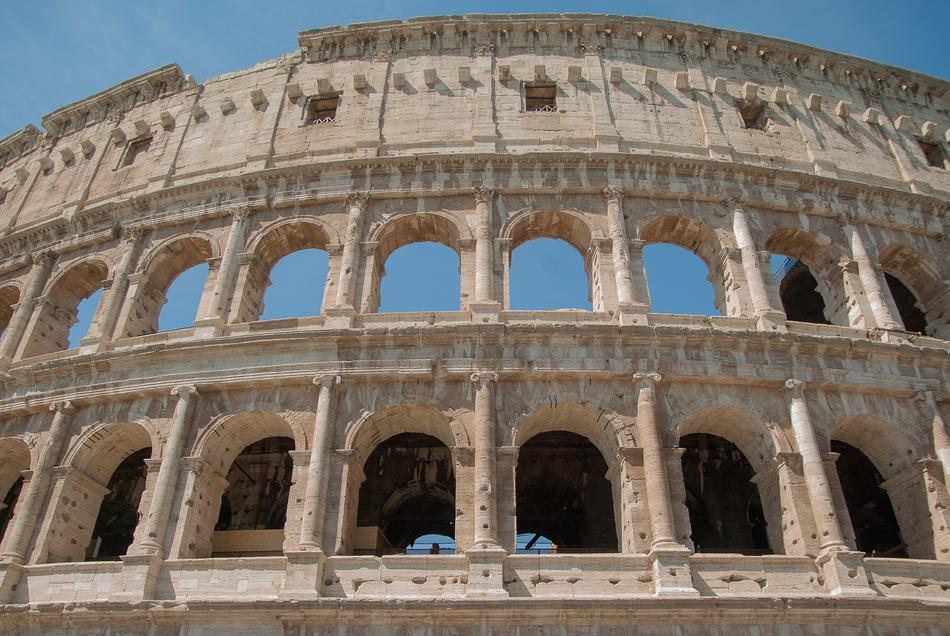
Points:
(134, 149)
(322, 110)
(540, 98)
(933, 152)
(752, 114)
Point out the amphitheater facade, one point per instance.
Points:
(781, 468)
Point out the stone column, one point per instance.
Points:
(484, 265)
(758, 291)
(315, 499)
(654, 466)
(486, 531)
(156, 521)
(941, 439)
(871, 281)
(830, 535)
(641, 287)
(35, 283)
(132, 243)
(620, 250)
(32, 501)
(224, 284)
(346, 290)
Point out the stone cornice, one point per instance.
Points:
(150, 85)
(589, 30)
(18, 143)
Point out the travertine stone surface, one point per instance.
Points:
(431, 141)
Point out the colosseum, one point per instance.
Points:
(779, 468)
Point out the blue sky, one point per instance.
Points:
(58, 51)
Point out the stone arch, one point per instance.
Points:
(82, 484)
(215, 449)
(823, 259)
(924, 279)
(161, 266)
(697, 237)
(365, 435)
(57, 314)
(743, 428)
(895, 459)
(9, 296)
(405, 229)
(14, 459)
(267, 247)
(569, 226)
(605, 429)
(759, 444)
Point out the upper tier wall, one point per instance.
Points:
(457, 85)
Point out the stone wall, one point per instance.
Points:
(432, 141)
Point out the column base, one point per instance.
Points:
(484, 311)
(209, 327)
(340, 317)
(892, 336)
(671, 572)
(844, 573)
(303, 577)
(486, 569)
(631, 314)
(138, 578)
(771, 321)
(10, 575)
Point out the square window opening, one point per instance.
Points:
(752, 114)
(322, 110)
(934, 153)
(540, 98)
(134, 149)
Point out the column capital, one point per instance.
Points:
(612, 194)
(649, 379)
(357, 199)
(44, 258)
(483, 193)
(133, 233)
(927, 396)
(241, 212)
(64, 406)
(588, 48)
(734, 204)
(797, 387)
(327, 380)
(484, 377)
(183, 391)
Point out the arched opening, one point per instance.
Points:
(432, 544)
(175, 283)
(9, 296)
(118, 516)
(725, 511)
(534, 543)
(425, 275)
(408, 493)
(183, 299)
(571, 505)
(96, 506)
(297, 284)
(918, 287)
(421, 277)
(798, 290)
(548, 273)
(288, 275)
(911, 316)
(54, 329)
(876, 530)
(810, 280)
(14, 459)
(550, 264)
(253, 509)
(679, 281)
